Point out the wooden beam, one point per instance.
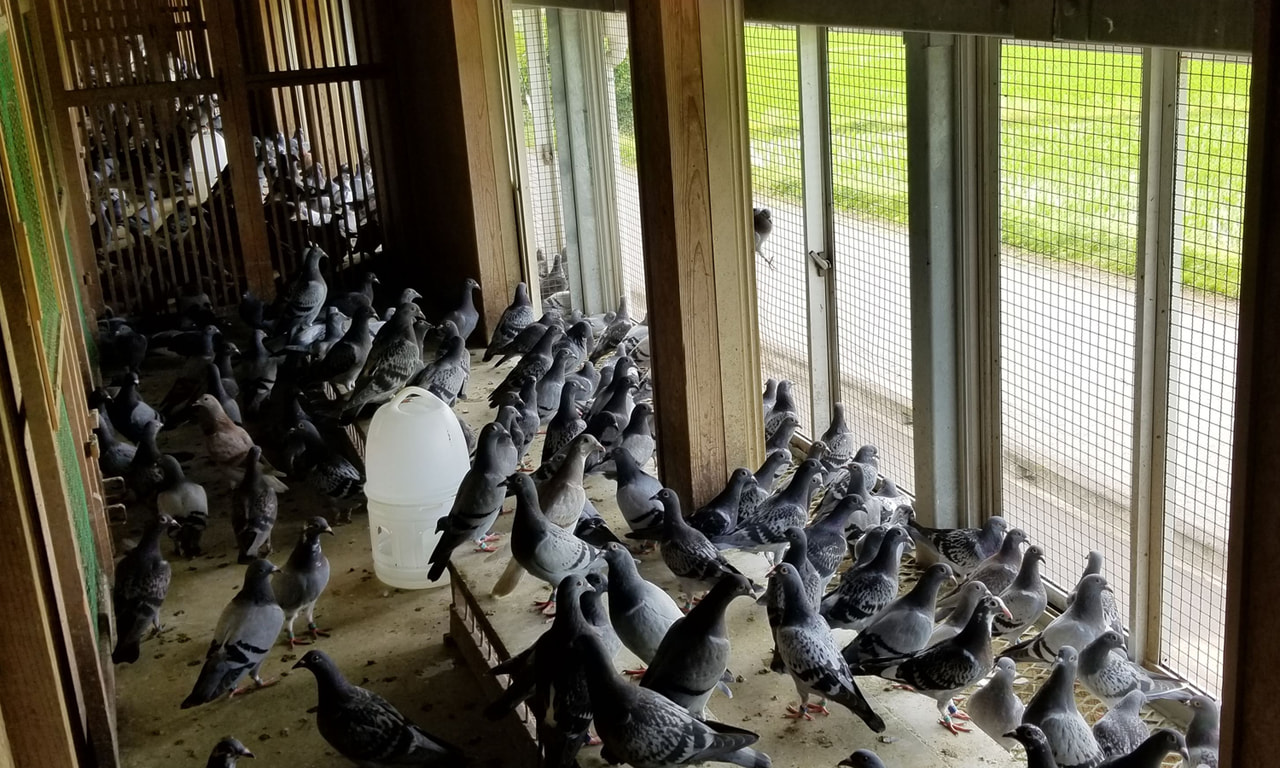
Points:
(686, 60)
(1250, 678)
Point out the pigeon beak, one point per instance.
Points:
(1011, 735)
(299, 665)
(1004, 608)
(1185, 754)
(275, 569)
(329, 531)
(654, 497)
(248, 754)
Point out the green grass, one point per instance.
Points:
(1069, 146)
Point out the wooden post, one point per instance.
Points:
(1250, 675)
(695, 211)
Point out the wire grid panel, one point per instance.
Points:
(626, 184)
(539, 128)
(1069, 155)
(1209, 179)
(773, 109)
(868, 111)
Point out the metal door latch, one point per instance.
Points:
(819, 259)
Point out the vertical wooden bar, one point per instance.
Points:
(686, 61)
(1250, 676)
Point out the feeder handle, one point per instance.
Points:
(405, 394)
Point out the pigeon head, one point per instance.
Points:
(585, 443)
(260, 569)
(666, 497)
(1017, 536)
(974, 590)
(1166, 740)
(1090, 586)
(866, 453)
(997, 524)
(364, 312)
(1031, 737)
(230, 747)
(1035, 553)
(371, 279)
(408, 296)
(170, 468)
(314, 660)
(796, 538)
(641, 411)
(598, 581)
(1111, 640)
(989, 607)
(740, 476)
(570, 589)
(863, 758)
(316, 526)
(472, 285)
(1067, 655)
(1006, 666)
(1203, 704)
(938, 572)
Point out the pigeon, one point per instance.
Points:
(784, 429)
(637, 438)
(645, 729)
(127, 347)
(465, 316)
(1025, 598)
(142, 581)
(515, 318)
(258, 371)
(765, 477)
(303, 578)
(994, 707)
(970, 595)
(551, 675)
(144, 474)
(692, 658)
(184, 501)
(839, 441)
(226, 753)
(393, 358)
(641, 612)
(550, 385)
(546, 551)
(348, 354)
(593, 529)
(446, 376)
(214, 386)
(997, 571)
(783, 406)
(226, 442)
(617, 329)
(797, 555)
(904, 625)
(1121, 730)
(868, 461)
(534, 364)
(334, 478)
(1151, 752)
(867, 544)
(1033, 740)
(810, 656)
(765, 529)
(1110, 607)
(304, 296)
(862, 758)
(578, 343)
(597, 613)
(961, 548)
(863, 592)
(477, 503)
(364, 728)
(253, 510)
(319, 338)
(566, 424)
(636, 492)
(246, 630)
(761, 227)
(526, 339)
(719, 516)
(694, 560)
(1079, 625)
(1053, 710)
(942, 671)
(348, 303)
(1202, 733)
(114, 455)
(770, 395)
(190, 382)
(1106, 672)
(129, 413)
(827, 546)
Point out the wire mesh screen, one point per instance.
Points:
(868, 109)
(1209, 178)
(1069, 151)
(543, 190)
(773, 109)
(626, 186)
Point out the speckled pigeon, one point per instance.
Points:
(304, 296)
(347, 356)
(546, 551)
(1202, 733)
(1122, 729)
(839, 440)
(446, 376)
(393, 358)
(997, 571)
(694, 560)
(227, 753)
(1053, 709)
(334, 478)
(515, 318)
(529, 336)
(797, 555)
(904, 625)
(253, 510)
(477, 503)
(142, 581)
(862, 592)
(827, 546)
(961, 548)
(783, 406)
(765, 530)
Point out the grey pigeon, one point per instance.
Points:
(862, 758)
(253, 510)
(997, 571)
(549, 675)
(827, 546)
(864, 591)
(641, 611)
(334, 478)
(839, 440)
(944, 670)
(144, 474)
(114, 455)
(446, 376)
(303, 578)
(477, 503)
(142, 581)
(550, 385)
(637, 439)
(393, 358)
(246, 630)
(465, 316)
(867, 544)
(184, 501)
(527, 338)
(348, 303)
(761, 227)
(693, 655)
(810, 656)
(1151, 752)
(770, 395)
(129, 413)
(995, 707)
(797, 555)
(1033, 740)
(1106, 672)
(304, 296)
(970, 595)
(636, 492)
(596, 612)
(546, 551)
(766, 528)
(1110, 607)
(784, 429)
(720, 515)
(961, 548)
(593, 529)
(694, 560)
(1079, 625)
(647, 730)
(258, 371)
(566, 424)
(904, 625)
(578, 343)
(533, 364)
(347, 356)
(783, 407)
(510, 455)
(1025, 598)
(1202, 733)
(364, 728)
(515, 318)
(227, 753)
(1053, 710)
(867, 460)
(1122, 729)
